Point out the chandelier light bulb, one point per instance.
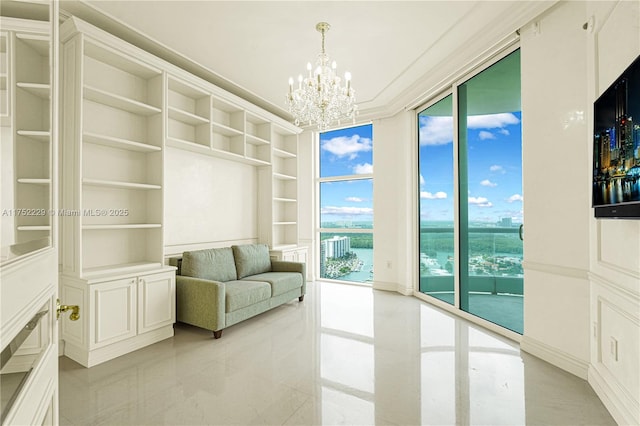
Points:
(322, 100)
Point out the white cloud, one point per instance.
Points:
(436, 130)
(491, 121)
(504, 132)
(429, 196)
(354, 199)
(422, 181)
(362, 169)
(480, 202)
(515, 197)
(497, 169)
(343, 146)
(487, 182)
(352, 211)
(439, 130)
(483, 135)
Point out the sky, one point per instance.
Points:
(494, 171)
(347, 152)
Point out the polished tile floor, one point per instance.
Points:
(346, 355)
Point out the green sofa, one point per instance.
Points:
(216, 288)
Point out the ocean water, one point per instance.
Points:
(365, 274)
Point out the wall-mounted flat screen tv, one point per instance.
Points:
(616, 147)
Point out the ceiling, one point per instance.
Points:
(396, 51)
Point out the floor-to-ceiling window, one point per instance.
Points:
(346, 204)
(470, 142)
(437, 241)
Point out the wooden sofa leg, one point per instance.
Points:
(301, 298)
(217, 334)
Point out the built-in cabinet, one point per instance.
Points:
(122, 108)
(114, 120)
(122, 313)
(290, 254)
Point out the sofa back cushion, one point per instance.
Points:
(251, 259)
(210, 264)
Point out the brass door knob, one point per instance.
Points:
(75, 310)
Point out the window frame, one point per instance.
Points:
(339, 178)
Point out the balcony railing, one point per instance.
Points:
(495, 260)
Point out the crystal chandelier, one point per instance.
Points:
(320, 98)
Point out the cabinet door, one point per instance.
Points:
(114, 311)
(301, 255)
(289, 256)
(156, 299)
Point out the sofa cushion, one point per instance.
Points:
(240, 294)
(210, 264)
(281, 282)
(251, 259)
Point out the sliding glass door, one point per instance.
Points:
(487, 218)
(436, 238)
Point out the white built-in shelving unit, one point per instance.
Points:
(122, 108)
(114, 120)
(5, 84)
(25, 112)
(278, 191)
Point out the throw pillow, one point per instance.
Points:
(251, 259)
(210, 264)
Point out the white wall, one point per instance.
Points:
(307, 158)
(615, 244)
(393, 141)
(209, 202)
(557, 188)
(582, 276)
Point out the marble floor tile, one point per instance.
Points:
(346, 355)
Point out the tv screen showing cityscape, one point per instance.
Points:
(616, 147)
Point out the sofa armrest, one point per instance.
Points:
(200, 302)
(287, 266)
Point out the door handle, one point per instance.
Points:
(521, 232)
(75, 310)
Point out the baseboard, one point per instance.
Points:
(98, 356)
(381, 285)
(386, 286)
(621, 406)
(555, 357)
(405, 291)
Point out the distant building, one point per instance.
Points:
(335, 247)
(323, 258)
(506, 222)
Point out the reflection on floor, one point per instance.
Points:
(346, 355)
(506, 310)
